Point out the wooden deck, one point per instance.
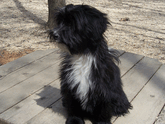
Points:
(30, 89)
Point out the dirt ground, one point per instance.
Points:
(138, 26)
(8, 56)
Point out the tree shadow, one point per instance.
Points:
(147, 9)
(143, 28)
(130, 32)
(29, 14)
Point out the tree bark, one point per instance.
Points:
(53, 5)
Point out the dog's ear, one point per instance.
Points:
(101, 24)
(97, 21)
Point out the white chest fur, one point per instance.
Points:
(80, 76)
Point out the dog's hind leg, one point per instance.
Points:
(102, 123)
(74, 120)
(74, 111)
(75, 115)
(102, 114)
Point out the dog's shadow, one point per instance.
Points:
(50, 98)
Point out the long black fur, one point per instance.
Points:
(81, 29)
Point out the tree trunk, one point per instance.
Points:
(53, 5)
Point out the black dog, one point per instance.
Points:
(90, 80)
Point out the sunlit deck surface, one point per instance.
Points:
(30, 89)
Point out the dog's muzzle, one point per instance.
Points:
(53, 34)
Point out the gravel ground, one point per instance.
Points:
(138, 26)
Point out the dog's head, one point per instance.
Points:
(80, 28)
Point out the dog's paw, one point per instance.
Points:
(74, 120)
(101, 123)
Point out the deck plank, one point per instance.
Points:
(139, 75)
(20, 114)
(20, 62)
(33, 105)
(19, 92)
(149, 101)
(58, 113)
(128, 60)
(28, 71)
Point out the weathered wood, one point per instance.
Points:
(57, 116)
(19, 92)
(121, 52)
(27, 71)
(136, 78)
(149, 101)
(139, 75)
(36, 103)
(23, 61)
(128, 60)
(31, 103)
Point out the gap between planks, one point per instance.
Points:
(124, 65)
(27, 87)
(27, 71)
(37, 118)
(149, 102)
(23, 61)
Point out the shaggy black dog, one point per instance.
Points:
(90, 80)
